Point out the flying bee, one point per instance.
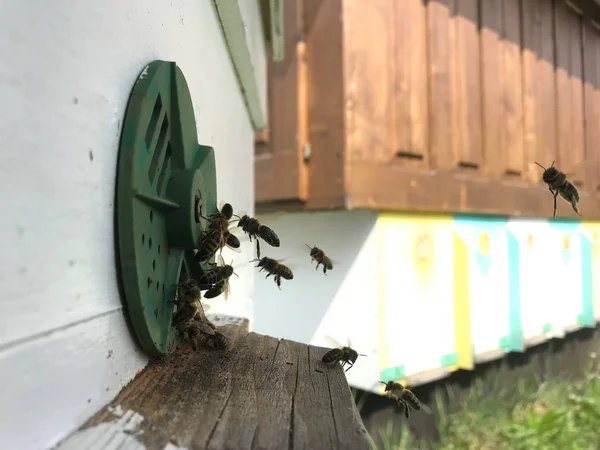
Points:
(274, 267)
(254, 229)
(342, 353)
(558, 184)
(403, 396)
(316, 254)
(216, 280)
(214, 240)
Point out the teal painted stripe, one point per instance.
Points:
(586, 319)
(451, 359)
(392, 374)
(546, 328)
(515, 333)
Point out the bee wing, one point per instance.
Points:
(205, 306)
(226, 290)
(349, 343)
(332, 342)
(220, 260)
(205, 328)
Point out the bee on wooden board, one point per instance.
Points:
(558, 184)
(216, 280)
(274, 267)
(342, 353)
(254, 229)
(198, 336)
(403, 396)
(316, 254)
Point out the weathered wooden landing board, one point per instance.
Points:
(262, 393)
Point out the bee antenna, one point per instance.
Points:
(553, 163)
(254, 260)
(308, 246)
(235, 215)
(541, 165)
(383, 382)
(360, 354)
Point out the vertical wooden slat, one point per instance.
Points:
(539, 86)
(577, 107)
(324, 38)
(280, 172)
(512, 121)
(467, 84)
(368, 67)
(565, 158)
(410, 82)
(590, 79)
(491, 72)
(440, 89)
(591, 62)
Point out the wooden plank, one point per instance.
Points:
(591, 76)
(491, 64)
(595, 124)
(262, 393)
(467, 98)
(577, 147)
(443, 191)
(512, 98)
(539, 86)
(281, 173)
(368, 65)
(410, 140)
(326, 102)
(441, 118)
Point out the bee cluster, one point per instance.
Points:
(189, 318)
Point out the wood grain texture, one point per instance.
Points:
(442, 137)
(262, 393)
(539, 87)
(410, 137)
(592, 103)
(467, 98)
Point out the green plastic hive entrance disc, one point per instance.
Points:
(165, 180)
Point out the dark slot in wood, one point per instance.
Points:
(512, 173)
(409, 155)
(468, 165)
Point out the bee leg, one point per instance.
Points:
(405, 406)
(575, 208)
(554, 193)
(193, 341)
(349, 367)
(257, 249)
(325, 270)
(318, 264)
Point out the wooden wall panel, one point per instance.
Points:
(512, 89)
(539, 87)
(369, 66)
(467, 87)
(491, 66)
(592, 105)
(442, 119)
(569, 88)
(410, 140)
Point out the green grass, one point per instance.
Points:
(557, 414)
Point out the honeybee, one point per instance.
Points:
(198, 336)
(220, 219)
(254, 229)
(316, 254)
(403, 396)
(214, 240)
(216, 280)
(558, 184)
(190, 307)
(274, 267)
(342, 353)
